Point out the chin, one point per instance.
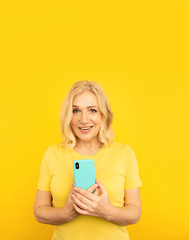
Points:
(86, 138)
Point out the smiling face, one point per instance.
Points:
(86, 119)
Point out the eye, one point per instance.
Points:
(93, 110)
(75, 110)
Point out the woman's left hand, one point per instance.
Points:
(87, 203)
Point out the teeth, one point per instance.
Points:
(86, 128)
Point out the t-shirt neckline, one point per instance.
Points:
(78, 155)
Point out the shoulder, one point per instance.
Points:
(56, 149)
(123, 147)
(51, 154)
(52, 149)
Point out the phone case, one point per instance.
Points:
(84, 177)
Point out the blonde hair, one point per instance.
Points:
(106, 135)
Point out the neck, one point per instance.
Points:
(88, 144)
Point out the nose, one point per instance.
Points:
(84, 118)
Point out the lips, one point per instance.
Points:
(85, 130)
(85, 127)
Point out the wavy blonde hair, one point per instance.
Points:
(106, 134)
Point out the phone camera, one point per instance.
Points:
(77, 165)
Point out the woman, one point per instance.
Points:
(85, 120)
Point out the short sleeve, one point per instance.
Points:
(132, 175)
(44, 176)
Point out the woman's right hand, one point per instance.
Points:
(69, 210)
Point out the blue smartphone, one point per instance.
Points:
(84, 173)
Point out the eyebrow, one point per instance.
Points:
(87, 107)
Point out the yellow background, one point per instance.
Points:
(138, 52)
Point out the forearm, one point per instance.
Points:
(50, 215)
(124, 216)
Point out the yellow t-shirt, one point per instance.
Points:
(115, 166)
